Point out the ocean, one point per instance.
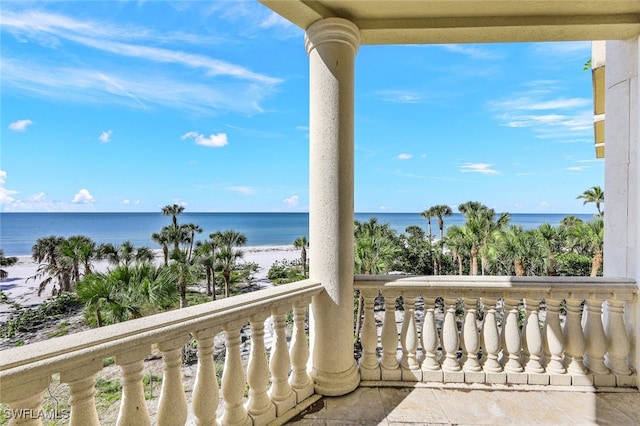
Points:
(19, 231)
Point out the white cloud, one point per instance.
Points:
(20, 125)
(214, 140)
(404, 156)
(83, 197)
(576, 168)
(5, 194)
(401, 96)
(291, 201)
(482, 168)
(105, 136)
(474, 52)
(126, 202)
(246, 190)
(544, 204)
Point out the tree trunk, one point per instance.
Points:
(596, 263)
(226, 275)
(519, 267)
(183, 292)
(474, 261)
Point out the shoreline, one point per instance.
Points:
(21, 289)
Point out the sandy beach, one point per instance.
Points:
(19, 288)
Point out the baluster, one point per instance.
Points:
(133, 408)
(409, 340)
(512, 348)
(491, 343)
(618, 345)
(554, 345)
(574, 343)
(172, 406)
(450, 344)
(596, 343)
(233, 378)
(82, 386)
(300, 380)
(25, 400)
(205, 390)
(259, 406)
(534, 350)
(431, 370)
(280, 392)
(470, 343)
(369, 367)
(389, 366)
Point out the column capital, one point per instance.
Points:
(332, 30)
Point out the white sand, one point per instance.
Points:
(20, 288)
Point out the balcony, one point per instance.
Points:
(473, 346)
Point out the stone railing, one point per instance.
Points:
(508, 330)
(275, 385)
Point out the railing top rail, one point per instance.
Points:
(496, 283)
(118, 338)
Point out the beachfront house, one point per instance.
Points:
(596, 345)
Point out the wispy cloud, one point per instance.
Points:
(213, 84)
(565, 119)
(20, 125)
(473, 51)
(482, 168)
(404, 156)
(245, 190)
(83, 197)
(105, 136)
(401, 96)
(214, 140)
(576, 168)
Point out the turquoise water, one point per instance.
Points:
(19, 231)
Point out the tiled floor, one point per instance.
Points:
(428, 406)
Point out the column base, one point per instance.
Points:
(336, 384)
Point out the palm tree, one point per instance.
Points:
(524, 248)
(186, 270)
(428, 214)
(173, 210)
(191, 229)
(591, 237)
(459, 241)
(440, 211)
(206, 253)
(554, 241)
(227, 254)
(79, 249)
(126, 291)
(6, 261)
(54, 266)
(375, 247)
(302, 244)
(162, 238)
(125, 253)
(595, 194)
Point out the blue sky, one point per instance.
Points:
(133, 105)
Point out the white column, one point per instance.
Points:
(622, 180)
(332, 44)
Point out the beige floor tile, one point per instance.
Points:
(618, 408)
(472, 407)
(412, 405)
(362, 405)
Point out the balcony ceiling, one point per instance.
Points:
(471, 21)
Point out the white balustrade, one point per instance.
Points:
(26, 372)
(300, 380)
(535, 330)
